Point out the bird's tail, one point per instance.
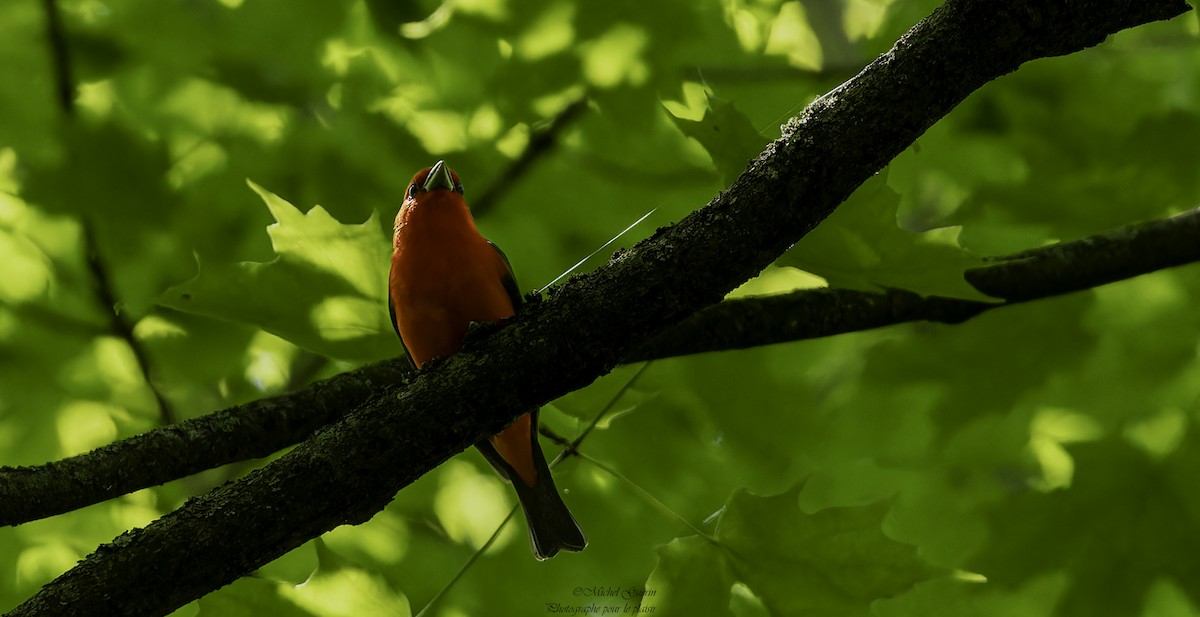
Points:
(551, 526)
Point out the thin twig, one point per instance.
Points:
(570, 448)
(648, 496)
(541, 142)
(64, 83)
(470, 562)
(574, 446)
(118, 324)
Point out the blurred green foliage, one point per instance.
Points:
(1033, 461)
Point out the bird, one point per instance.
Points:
(444, 276)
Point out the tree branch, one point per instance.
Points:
(249, 431)
(268, 425)
(348, 471)
(1031, 275)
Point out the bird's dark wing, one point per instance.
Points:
(396, 327)
(510, 281)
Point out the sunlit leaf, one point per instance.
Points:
(727, 135)
(324, 291)
(250, 597)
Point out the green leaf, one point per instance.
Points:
(860, 246)
(692, 578)
(835, 561)
(339, 589)
(335, 589)
(976, 598)
(1126, 522)
(113, 180)
(728, 136)
(249, 597)
(324, 291)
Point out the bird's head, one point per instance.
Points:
(433, 179)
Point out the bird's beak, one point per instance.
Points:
(439, 178)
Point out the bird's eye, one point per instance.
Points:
(412, 190)
(459, 188)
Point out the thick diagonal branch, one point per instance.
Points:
(268, 425)
(348, 471)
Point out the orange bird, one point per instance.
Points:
(444, 276)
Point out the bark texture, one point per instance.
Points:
(348, 470)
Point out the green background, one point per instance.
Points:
(1038, 460)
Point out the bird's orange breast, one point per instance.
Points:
(444, 276)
